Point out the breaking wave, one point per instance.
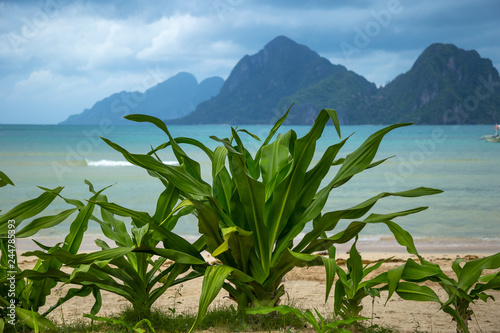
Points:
(109, 163)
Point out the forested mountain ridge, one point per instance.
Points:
(446, 85)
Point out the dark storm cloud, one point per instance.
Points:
(58, 57)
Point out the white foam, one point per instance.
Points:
(109, 163)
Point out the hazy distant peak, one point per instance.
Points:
(170, 99)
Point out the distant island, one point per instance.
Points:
(446, 85)
(173, 98)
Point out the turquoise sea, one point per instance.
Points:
(451, 158)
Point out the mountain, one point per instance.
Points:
(259, 88)
(346, 92)
(173, 98)
(446, 85)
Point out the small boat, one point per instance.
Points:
(493, 138)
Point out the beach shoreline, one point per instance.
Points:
(305, 288)
(382, 244)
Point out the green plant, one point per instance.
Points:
(128, 269)
(319, 325)
(29, 295)
(257, 205)
(352, 286)
(174, 300)
(463, 290)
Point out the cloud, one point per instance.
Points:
(39, 97)
(111, 51)
(379, 66)
(175, 35)
(58, 57)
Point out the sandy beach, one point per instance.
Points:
(305, 287)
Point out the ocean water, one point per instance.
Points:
(450, 158)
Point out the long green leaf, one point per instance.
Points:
(72, 292)
(271, 134)
(339, 292)
(4, 180)
(403, 237)
(28, 209)
(284, 199)
(275, 157)
(330, 268)
(74, 239)
(72, 259)
(414, 292)
(33, 319)
(492, 283)
(252, 194)
(141, 218)
(329, 220)
(185, 140)
(192, 167)
(114, 229)
(212, 283)
(417, 273)
(223, 190)
(472, 270)
(354, 163)
(175, 174)
(355, 267)
(166, 203)
(98, 301)
(393, 277)
(219, 160)
(228, 234)
(208, 226)
(361, 158)
(43, 223)
(177, 256)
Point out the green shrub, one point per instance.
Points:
(258, 205)
(30, 294)
(462, 291)
(128, 269)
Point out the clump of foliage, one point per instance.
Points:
(257, 205)
(30, 293)
(128, 269)
(249, 218)
(468, 286)
(319, 324)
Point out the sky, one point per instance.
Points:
(59, 57)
